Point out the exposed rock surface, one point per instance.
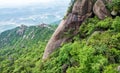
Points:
(21, 30)
(82, 7)
(64, 68)
(81, 10)
(100, 9)
(108, 1)
(68, 27)
(43, 25)
(118, 68)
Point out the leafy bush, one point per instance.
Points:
(114, 5)
(116, 24)
(111, 69)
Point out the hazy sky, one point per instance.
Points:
(14, 12)
(13, 3)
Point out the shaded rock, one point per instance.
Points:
(108, 1)
(82, 9)
(73, 62)
(43, 25)
(64, 68)
(22, 46)
(114, 13)
(21, 30)
(118, 68)
(54, 41)
(100, 9)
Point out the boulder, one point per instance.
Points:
(64, 68)
(114, 13)
(108, 1)
(21, 30)
(118, 68)
(82, 9)
(100, 9)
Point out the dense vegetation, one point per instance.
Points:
(96, 49)
(21, 53)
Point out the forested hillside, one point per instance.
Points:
(86, 41)
(95, 49)
(21, 48)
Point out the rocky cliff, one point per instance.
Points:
(80, 11)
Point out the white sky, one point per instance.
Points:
(7, 3)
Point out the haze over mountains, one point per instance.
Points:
(32, 14)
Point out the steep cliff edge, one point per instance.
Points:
(80, 11)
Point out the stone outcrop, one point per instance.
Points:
(21, 30)
(100, 9)
(64, 68)
(118, 68)
(69, 27)
(82, 9)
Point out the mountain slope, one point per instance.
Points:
(87, 39)
(22, 47)
(95, 49)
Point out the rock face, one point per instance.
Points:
(21, 30)
(81, 10)
(118, 68)
(68, 27)
(100, 10)
(82, 7)
(64, 68)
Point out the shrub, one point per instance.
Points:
(114, 5)
(116, 24)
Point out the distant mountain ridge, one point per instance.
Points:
(24, 32)
(20, 42)
(12, 17)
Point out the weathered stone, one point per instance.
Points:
(81, 10)
(108, 1)
(21, 30)
(82, 7)
(118, 68)
(114, 13)
(64, 68)
(100, 9)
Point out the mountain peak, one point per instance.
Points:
(21, 30)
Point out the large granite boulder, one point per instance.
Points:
(81, 10)
(100, 9)
(82, 7)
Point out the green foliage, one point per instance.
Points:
(23, 53)
(89, 62)
(116, 24)
(114, 5)
(95, 49)
(105, 24)
(111, 69)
